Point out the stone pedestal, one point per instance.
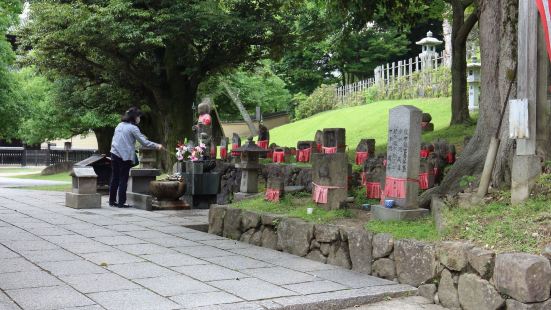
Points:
(201, 188)
(394, 214)
(83, 195)
(402, 171)
(83, 201)
(331, 170)
(138, 194)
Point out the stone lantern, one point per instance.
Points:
(249, 165)
(473, 79)
(84, 193)
(428, 53)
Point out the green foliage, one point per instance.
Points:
(152, 53)
(256, 87)
(467, 181)
(59, 109)
(422, 229)
(10, 108)
(293, 205)
(322, 99)
(502, 226)
(433, 84)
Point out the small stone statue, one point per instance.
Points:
(203, 128)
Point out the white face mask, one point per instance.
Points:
(137, 120)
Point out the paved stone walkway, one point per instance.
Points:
(53, 257)
(406, 303)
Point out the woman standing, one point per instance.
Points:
(123, 154)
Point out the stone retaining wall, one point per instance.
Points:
(454, 274)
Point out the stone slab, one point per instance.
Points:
(202, 251)
(209, 272)
(93, 283)
(237, 262)
(351, 279)
(141, 270)
(139, 299)
(175, 285)
(111, 258)
(15, 265)
(144, 248)
(71, 267)
(193, 301)
(279, 275)
(242, 288)
(46, 298)
(140, 201)
(83, 201)
(27, 279)
(315, 287)
(174, 260)
(395, 214)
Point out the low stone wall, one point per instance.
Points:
(454, 274)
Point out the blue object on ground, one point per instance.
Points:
(389, 203)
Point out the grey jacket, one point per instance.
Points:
(124, 141)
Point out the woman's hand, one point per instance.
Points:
(160, 147)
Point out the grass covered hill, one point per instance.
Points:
(371, 121)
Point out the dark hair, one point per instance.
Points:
(131, 115)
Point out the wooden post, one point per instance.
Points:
(526, 165)
(246, 117)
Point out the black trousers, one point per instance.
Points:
(119, 179)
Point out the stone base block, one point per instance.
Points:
(170, 205)
(242, 196)
(83, 201)
(394, 214)
(140, 201)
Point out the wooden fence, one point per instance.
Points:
(385, 76)
(18, 156)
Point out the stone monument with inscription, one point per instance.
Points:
(402, 170)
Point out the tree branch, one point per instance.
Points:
(467, 26)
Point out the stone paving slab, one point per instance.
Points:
(53, 257)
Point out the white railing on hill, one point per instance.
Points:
(386, 75)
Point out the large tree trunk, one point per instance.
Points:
(498, 44)
(104, 135)
(173, 118)
(460, 31)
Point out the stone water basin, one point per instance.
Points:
(167, 189)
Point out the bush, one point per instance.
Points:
(322, 99)
(435, 84)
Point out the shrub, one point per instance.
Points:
(322, 99)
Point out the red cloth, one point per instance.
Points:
(396, 187)
(272, 195)
(263, 144)
(384, 162)
(318, 147)
(425, 153)
(329, 150)
(450, 158)
(424, 180)
(303, 156)
(373, 190)
(319, 192)
(205, 119)
(213, 151)
(278, 157)
(424, 124)
(233, 147)
(361, 157)
(223, 152)
(293, 152)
